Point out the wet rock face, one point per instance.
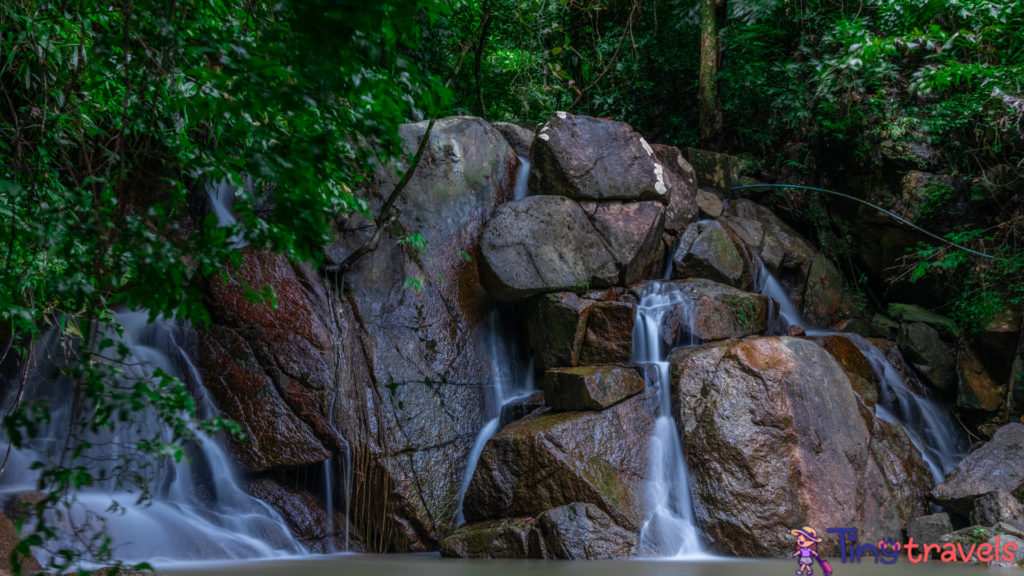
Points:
(586, 158)
(997, 465)
(681, 180)
(856, 366)
(506, 538)
(590, 387)
(922, 346)
(542, 244)
(929, 529)
(519, 138)
(709, 251)
(632, 234)
(556, 325)
(269, 370)
(609, 338)
(306, 517)
(777, 439)
(977, 389)
(824, 292)
(551, 459)
(413, 365)
(995, 507)
(581, 531)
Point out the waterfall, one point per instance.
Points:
(522, 175)
(199, 509)
(770, 286)
(670, 529)
(926, 422)
(512, 379)
(222, 199)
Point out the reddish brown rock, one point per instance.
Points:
(609, 337)
(307, 518)
(269, 370)
(795, 330)
(858, 369)
(977, 389)
(632, 233)
(779, 440)
(708, 310)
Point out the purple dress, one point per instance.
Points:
(806, 556)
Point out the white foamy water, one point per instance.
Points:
(522, 176)
(670, 529)
(199, 510)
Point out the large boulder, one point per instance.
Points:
(582, 531)
(632, 234)
(588, 158)
(542, 244)
(914, 313)
(709, 251)
(996, 507)
(923, 347)
(778, 439)
(787, 254)
(519, 138)
(681, 180)
(609, 338)
(319, 531)
(8, 540)
(707, 310)
(269, 369)
(556, 325)
(412, 367)
(590, 387)
(997, 465)
(551, 459)
(709, 205)
(858, 369)
(505, 538)
(977, 389)
(929, 529)
(715, 170)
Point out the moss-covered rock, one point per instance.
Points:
(914, 313)
(582, 531)
(590, 387)
(714, 170)
(506, 538)
(551, 459)
(709, 251)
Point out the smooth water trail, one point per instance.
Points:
(770, 286)
(926, 422)
(522, 176)
(222, 199)
(199, 509)
(512, 379)
(670, 529)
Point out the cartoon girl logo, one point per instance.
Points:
(807, 551)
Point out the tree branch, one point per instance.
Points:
(384, 218)
(611, 61)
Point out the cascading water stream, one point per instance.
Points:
(670, 529)
(522, 176)
(926, 422)
(513, 379)
(199, 510)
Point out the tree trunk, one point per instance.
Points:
(479, 54)
(712, 13)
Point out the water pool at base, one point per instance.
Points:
(434, 565)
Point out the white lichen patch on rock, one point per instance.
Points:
(647, 146)
(544, 136)
(659, 186)
(561, 114)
